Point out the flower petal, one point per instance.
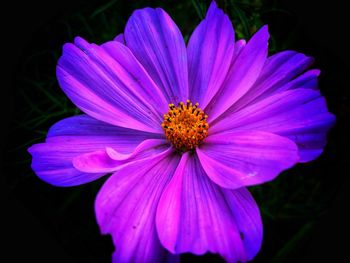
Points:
(279, 69)
(109, 84)
(299, 114)
(239, 45)
(307, 80)
(195, 215)
(157, 43)
(120, 38)
(126, 207)
(52, 160)
(109, 160)
(242, 74)
(247, 217)
(165, 257)
(242, 158)
(210, 50)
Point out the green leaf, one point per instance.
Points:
(103, 8)
(199, 8)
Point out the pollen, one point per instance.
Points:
(185, 125)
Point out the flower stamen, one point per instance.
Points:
(185, 126)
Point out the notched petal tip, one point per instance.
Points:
(120, 38)
(241, 42)
(263, 33)
(265, 28)
(31, 149)
(82, 44)
(213, 8)
(316, 72)
(67, 47)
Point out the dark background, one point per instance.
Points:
(305, 211)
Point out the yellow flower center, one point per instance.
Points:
(185, 126)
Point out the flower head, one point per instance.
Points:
(183, 130)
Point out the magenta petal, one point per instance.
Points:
(247, 217)
(120, 38)
(239, 45)
(157, 43)
(71, 137)
(126, 208)
(84, 125)
(111, 86)
(299, 114)
(307, 80)
(164, 258)
(195, 215)
(109, 160)
(279, 69)
(242, 74)
(210, 50)
(242, 158)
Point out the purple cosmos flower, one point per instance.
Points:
(180, 171)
